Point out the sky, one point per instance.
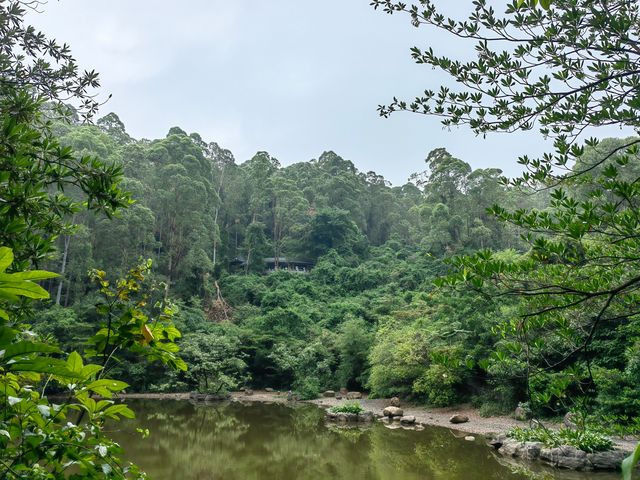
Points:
(291, 77)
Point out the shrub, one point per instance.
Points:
(585, 440)
(347, 407)
(438, 383)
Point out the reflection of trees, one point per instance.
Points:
(234, 441)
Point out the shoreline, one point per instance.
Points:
(436, 417)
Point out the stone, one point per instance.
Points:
(419, 426)
(497, 441)
(569, 421)
(270, 390)
(510, 448)
(521, 414)
(565, 456)
(470, 438)
(248, 391)
(459, 419)
(354, 395)
(392, 412)
(346, 417)
(343, 392)
(338, 396)
(394, 402)
(329, 393)
(366, 417)
(408, 420)
(610, 460)
(531, 450)
(331, 415)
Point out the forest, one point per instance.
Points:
(168, 265)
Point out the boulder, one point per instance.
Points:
(521, 414)
(270, 390)
(470, 438)
(346, 417)
(408, 420)
(354, 395)
(394, 402)
(459, 419)
(531, 450)
(392, 412)
(497, 441)
(565, 456)
(610, 460)
(329, 393)
(343, 392)
(510, 448)
(366, 417)
(569, 421)
(248, 391)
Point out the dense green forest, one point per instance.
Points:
(165, 265)
(367, 316)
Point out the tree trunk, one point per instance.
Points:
(67, 239)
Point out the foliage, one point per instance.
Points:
(585, 440)
(41, 439)
(347, 407)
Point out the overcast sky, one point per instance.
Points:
(292, 77)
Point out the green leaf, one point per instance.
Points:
(6, 258)
(32, 275)
(26, 347)
(23, 289)
(630, 462)
(74, 363)
(106, 387)
(114, 410)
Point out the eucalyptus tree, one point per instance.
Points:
(565, 69)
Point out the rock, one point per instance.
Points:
(392, 412)
(510, 448)
(394, 402)
(408, 420)
(343, 392)
(292, 397)
(569, 421)
(419, 426)
(531, 450)
(329, 393)
(497, 441)
(610, 460)
(338, 396)
(331, 415)
(346, 417)
(521, 414)
(216, 397)
(354, 395)
(248, 391)
(565, 457)
(270, 390)
(470, 438)
(392, 426)
(366, 417)
(459, 419)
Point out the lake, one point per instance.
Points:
(231, 440)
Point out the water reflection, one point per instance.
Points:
(258, 441)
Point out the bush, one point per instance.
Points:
(585, 440)
(438, 383)
(348, 407)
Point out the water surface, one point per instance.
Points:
(260, 441)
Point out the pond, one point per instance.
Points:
(231, 440)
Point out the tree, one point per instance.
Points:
(568, 69)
